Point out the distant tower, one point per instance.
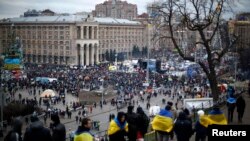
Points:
(113, 10)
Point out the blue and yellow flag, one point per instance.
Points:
(163, 121)
(214, 117)
(114, 127)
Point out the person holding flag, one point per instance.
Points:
(118, 128)
(163, 123)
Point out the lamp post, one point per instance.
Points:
(2, 96)
(116, 60)
(102, 80)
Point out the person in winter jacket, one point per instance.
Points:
(183, 127)
(163, 124)
(58, 129)
(142, 121)
(118, 128)
(36, 131)
(83, 132)
(16, 133)
(201, 130)
(131, 119)
(240, 104)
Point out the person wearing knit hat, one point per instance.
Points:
(200, 130)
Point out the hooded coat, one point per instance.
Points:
(183, 128)
(117, 130)
(36, 132)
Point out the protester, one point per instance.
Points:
(231, 103)
(58, 129)
(163, 124)
(15, 134)
(200, 130)
(142, 122)
(83, 132)
(183, 127)
(36, 131)
(118, 128)
(132, 122)
(240, 104)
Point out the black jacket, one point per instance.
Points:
(59, 132)
(36, 132)
(132, 129)
(183, 129)
(200, 130)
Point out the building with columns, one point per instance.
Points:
(71, 39)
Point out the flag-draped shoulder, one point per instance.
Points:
(116, 126)
(214, 117)
(163, 121)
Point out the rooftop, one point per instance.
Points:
(66, 19)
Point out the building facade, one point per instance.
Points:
(116, 9)
(73, 39)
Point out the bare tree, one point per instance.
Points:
(204, 18)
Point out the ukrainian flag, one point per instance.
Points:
(116, 126)
(214, 117)
(217, 117)
(163, 121)
(204, 120)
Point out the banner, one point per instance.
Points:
(12, 66)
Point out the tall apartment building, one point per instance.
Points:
(116, 9)
(72, 39)
(241, 28)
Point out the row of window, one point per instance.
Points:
(46, 52)
(37, 27)
(120, 41)
(49, 47)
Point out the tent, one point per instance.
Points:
(48, 93)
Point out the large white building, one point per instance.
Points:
(72, 39)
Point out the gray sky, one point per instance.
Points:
(15, 8)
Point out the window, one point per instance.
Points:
(67, 47)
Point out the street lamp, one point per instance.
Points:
(116, 60)
(102, 80)
(2, 95)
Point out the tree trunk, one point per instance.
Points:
(214, 85)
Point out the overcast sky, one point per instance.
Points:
(15, 8)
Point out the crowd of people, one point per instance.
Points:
(133, 125)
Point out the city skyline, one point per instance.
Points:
(15, 8)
